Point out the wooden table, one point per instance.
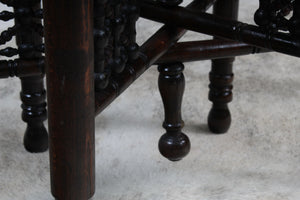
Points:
(81, 81)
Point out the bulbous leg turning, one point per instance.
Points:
(36, 138)
(33, 96)
(174, 145)
(219, 119)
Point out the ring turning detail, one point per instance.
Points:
(88, 52)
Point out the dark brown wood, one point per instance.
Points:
(115, 39)
(70, 40)
(221, 27)
(70, 85)
(221, 77)
(9, 51)
(21, 68)
(207, 49)
(150, 51)
(174, 144)
(180, 52)
(271, 14)
(33, 93)
(156, 46)
(33, 96)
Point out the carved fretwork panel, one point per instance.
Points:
(115, 38)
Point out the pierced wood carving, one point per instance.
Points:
(115, 43)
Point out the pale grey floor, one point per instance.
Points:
(259, 158)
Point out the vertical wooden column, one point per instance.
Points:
(33, 93)
(70, 85)
(221, 77)
(174, 144)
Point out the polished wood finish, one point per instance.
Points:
(21, 68)
(188, 51)
(91, 57)
(207, 49)
(70, 85)
(33, 94)
(174, 144)
(220, 27)
(154, 48)
(221, 77)
(150, 51)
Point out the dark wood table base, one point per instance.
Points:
(91, 57)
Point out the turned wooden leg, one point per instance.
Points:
(33, 96)
(71, 106)
(174, 144)
(221, 77)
